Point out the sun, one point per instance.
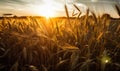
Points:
(46, 11)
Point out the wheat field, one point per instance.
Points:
(83, 43)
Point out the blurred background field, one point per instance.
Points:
(86, 43)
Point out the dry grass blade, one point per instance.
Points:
(86, 63)
(73, 13)
(44, 68)
(66, 10)
(2, 49)
(118, 28)
(25, 53)
(6, 53)
(118, 9)
(95, 17)
(33, 68)
(100, 35)
(61, 63)
(117, 64)
(76, 7)
(69, 47)
(79, 15)
(14, 67)
(67, 13)
(87, 12)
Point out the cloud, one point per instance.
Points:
(27, 6)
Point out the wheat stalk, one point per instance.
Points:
(118, 9)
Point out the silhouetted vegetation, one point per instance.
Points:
(83, 43)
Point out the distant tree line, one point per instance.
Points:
(8, 15)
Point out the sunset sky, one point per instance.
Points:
(56, 7)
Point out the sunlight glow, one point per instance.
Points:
(46, 11)
(94, 0)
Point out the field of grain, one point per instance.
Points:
(86, 43)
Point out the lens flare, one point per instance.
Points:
(105, 59)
